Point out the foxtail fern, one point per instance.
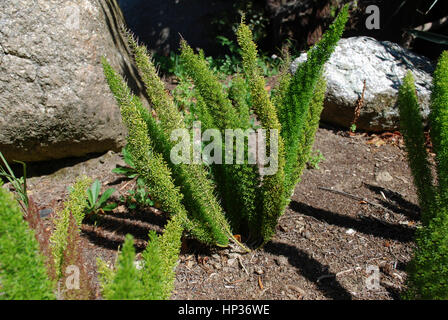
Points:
(231, 198)
(23, 275)
(75, 206)
(155, 279)
(299, 96)
(428, 270)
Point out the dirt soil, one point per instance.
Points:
(324, 244)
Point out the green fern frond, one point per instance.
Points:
(75, 205)
(272, 191)
(301, 90)
(207, 84)
(23, 275)
(439, 125)
(309, 132)
(411, 125)
(125, 284)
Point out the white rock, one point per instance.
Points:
(383, 65)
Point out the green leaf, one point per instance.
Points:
(90, 198)
(95, 191)
(105, 196)
(429, 36)
(128, 172)
(110, 207)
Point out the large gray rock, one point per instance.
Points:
(54, 100)
(383, 65)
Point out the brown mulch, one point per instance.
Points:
(324, 243)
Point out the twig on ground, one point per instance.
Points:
(357, 198)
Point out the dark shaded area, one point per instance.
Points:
(159, 22)
(311, 269)
(108, 231)
(43, 168)
(366, 225)
(397, 203)
(130, 71)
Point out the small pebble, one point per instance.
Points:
(45, 212)
(259, 270)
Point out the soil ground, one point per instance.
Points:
(324, 244)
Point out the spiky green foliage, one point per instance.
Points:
(439, 125)
(73, 267)
(160, 272)
(428, 270)
(125, 283)
(23, 275)
(310, 128)
(209, 88)
(75, 205)
(238, 93)
(198, 191)
(155, 279)
(411, 125)
(252, 201)
(207, 222)
(236, 183)
(300, 93)
(272, 189)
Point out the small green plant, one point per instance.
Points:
(130, 172)
(428, 271)
(97, 203)
(315, 158)
(23, 275)
(123, 283)
(139, 196)
(75, 206)
(19, 184)
(155, 279)
(74, 262)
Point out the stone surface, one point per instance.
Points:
(383, 65)
(54, 100)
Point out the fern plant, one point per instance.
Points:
(428, 271)
(155, 279)
(75, 206)
(214, 202)
(23, 275)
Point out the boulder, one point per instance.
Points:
(54, 99)
(383, 65)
